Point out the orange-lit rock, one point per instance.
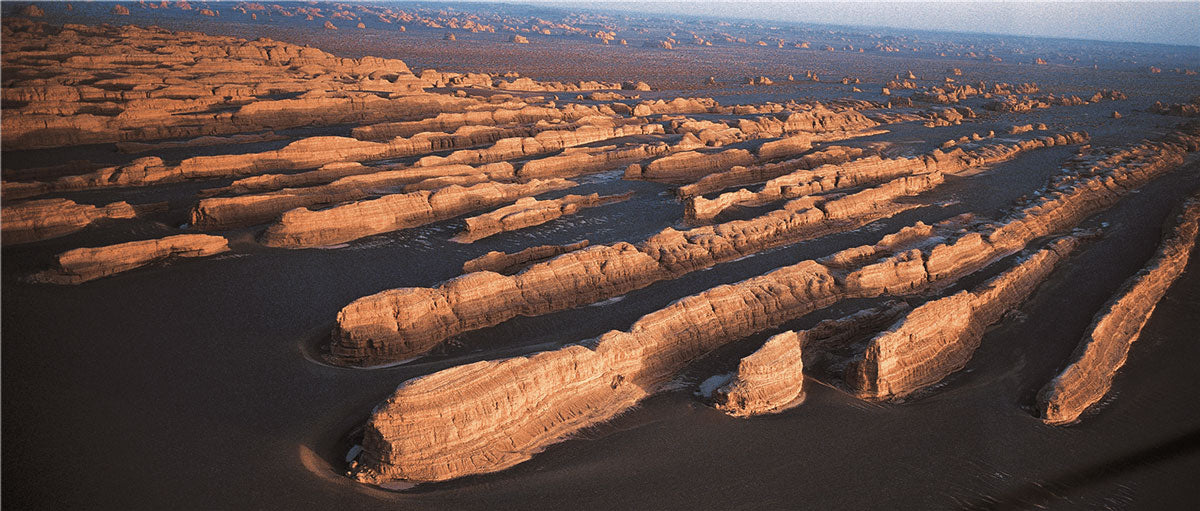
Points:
(83, 264)
(1105, 346)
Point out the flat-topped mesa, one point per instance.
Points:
(1105, 347)
(302, 227)
(528, 212)
(83, 264)
(871, 169)
(216, 213)
(771, 379)
(380, 327)
(739, 175)
(508, 264)
(43, 219)
(939, 337)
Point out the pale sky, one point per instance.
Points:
(1148, 22)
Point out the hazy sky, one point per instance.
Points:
(1149, 22)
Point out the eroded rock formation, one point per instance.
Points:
(508, 264)
(302, 227)
(1104, 348)
(43, 219)
(939, 337)
(83, 264)
(528, 212)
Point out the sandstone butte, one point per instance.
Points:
(866, 170)
(398, 324)
(507, 264)
(83, 264)
(528, 212)
(771, 379)
(1103, 350)
(491, 415)
(37, 220)
(302, 227)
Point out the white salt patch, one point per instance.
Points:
(609, 301)
(707, 387)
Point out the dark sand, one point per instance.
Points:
(193, 385)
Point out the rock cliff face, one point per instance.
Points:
(528, 212)
(43, 219)
(771, 379)
(508, 264)
(302, 227)
(939, 337)
(768, 381)
(382, 327)
(1104, 348)
(84, 264)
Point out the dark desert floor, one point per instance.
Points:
(211, 383)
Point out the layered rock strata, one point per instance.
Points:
(84, 264)
(740, 175)
(771, 379)
(939, 337)
(302, 227)
(44, 219)
(508, 264)
(399, 323)
(1105, 347)
(528, 212)
(866, 170)
(216, 213)
(491, 415)
(113, 84)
